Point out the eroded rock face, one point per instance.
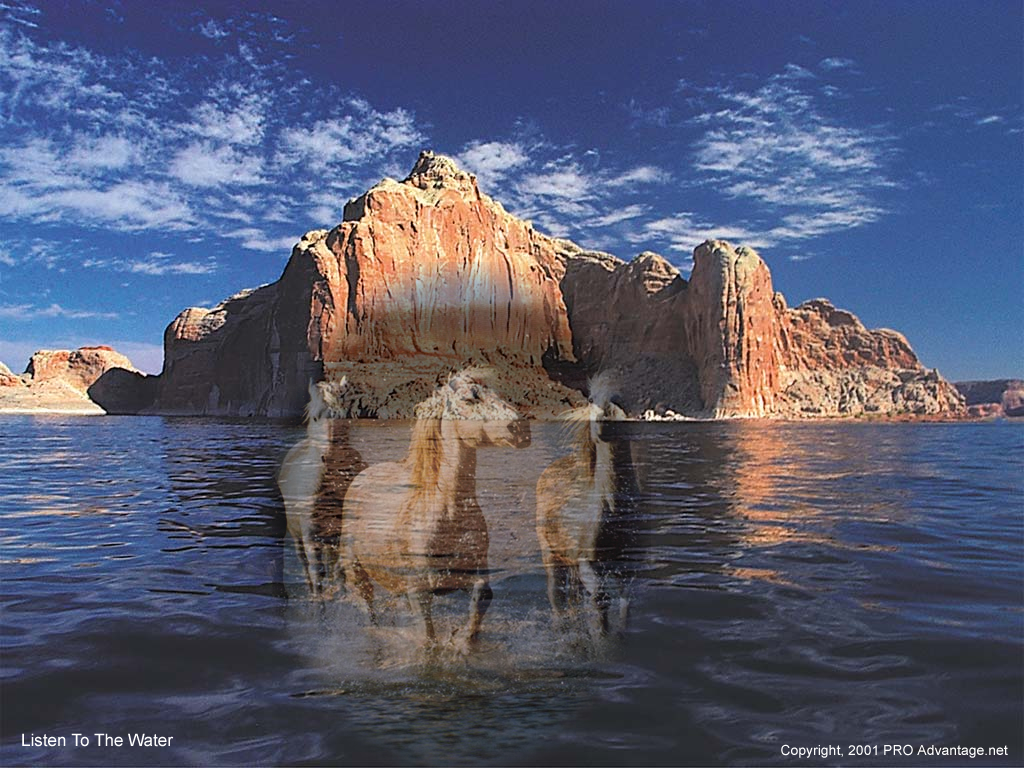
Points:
(79, 368)
(726, 345)
(628, 322)
(429, 275)
(430, 266)
(833, 366)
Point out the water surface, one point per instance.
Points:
(794, 584)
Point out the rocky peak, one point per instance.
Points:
(654, 272)
(433, 171)
(830, 314)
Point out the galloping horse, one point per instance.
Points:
(584, 502)
(313, 479)
(415, 527)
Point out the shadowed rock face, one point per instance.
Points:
(427, 275)
(999, 397)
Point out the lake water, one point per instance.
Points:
(793, 585)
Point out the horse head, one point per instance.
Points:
(475, 414)
(603, 411)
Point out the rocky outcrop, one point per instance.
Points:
(420, 278)
(64, 381)
(429, 274)
(725, 344)
(8, 379)
(834, 366)
(733, 326)
(994, 399)
(79, 368)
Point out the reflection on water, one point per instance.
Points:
(797, 584)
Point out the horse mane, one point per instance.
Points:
(426, 449)
(426, 453)
(324, 401)
(578, 420)
(579, 439)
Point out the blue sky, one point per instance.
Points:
(155, 156)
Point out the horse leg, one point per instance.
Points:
(595, 590)
(558, 577)
(422, 600)
(364, 586)
(479, 602)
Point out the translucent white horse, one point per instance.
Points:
(415, 527)
(313, 479)
(584, 504)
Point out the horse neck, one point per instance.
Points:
(456, 477)
(610, 465)
(319, 430)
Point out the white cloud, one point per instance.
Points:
(258, 240)
(618, 215)
(836, 62)
(101, 152)
(682, 232)
(644, 174)
(212, 30)
(809, 173)
(360, 137)
(157, 263)
(27, 312)
(492, 161)
(203, 165)
(129, 144)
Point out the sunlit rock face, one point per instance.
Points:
(732, 325)
(422, 277)
(832, 365)
(430, 266)
(428, 275)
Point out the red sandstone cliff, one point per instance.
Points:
(421, 277)
(429, 274)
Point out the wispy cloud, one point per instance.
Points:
(807, 169)
(565, 192)
(493, 161)
(155, 263)
(128, 145)
(837, 62)
(27, 312)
